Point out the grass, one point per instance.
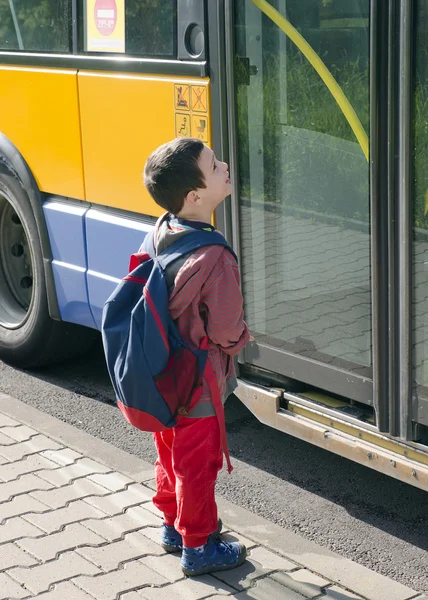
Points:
(314, 173)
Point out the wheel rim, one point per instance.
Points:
(16, 267)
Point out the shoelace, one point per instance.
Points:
(225, 548)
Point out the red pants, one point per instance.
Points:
(189, 459)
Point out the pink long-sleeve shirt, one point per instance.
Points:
(207, 301)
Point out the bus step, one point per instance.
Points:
(336, 405)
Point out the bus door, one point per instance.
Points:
(302, 198)
(332, 244)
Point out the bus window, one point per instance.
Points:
(150, 27)
(44, 28)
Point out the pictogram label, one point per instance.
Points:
(200, 127)
(199, 98)
(182, 96)
(182, 125)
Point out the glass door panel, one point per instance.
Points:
(420, 204)
(304, 180)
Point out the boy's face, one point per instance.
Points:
(217, 181)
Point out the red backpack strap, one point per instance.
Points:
(136, 260)
(219, 409)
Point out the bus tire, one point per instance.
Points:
(29, 338)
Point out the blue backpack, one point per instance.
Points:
(157, 378)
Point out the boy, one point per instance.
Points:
(186, 179)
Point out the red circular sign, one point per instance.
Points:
(105, 14)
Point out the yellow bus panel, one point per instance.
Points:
(39, 113)
(124, 118)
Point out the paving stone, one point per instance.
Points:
(112, 481)
(304, 582)
(53, 520)
(47, 547)
(10, 589)
(39, 578)
(20, 433)
(151, 483)
(114, 527)
(24, 484)
(117, 502)
(11, 556)
(37, 444)
(242, 577)
(271, 561)
(337, 593)
(230, 536)
(27, 465)
(6, 421)
(153, 533)
(167, 565)
(110, 556)
(192, 588)
(19, 506)
(109, 585)
(152, 508)
(138, 512)
(64, 475)
(260, 562)
(17, 528)
(268, 589)
(5, 440)
(63, 590)
(59, 497)
(63, 457)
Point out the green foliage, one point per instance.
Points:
(150, 27)
(325, 173)
(312, 161)
(44, 25)
(420, 145)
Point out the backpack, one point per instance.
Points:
(156, 377)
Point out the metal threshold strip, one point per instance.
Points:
(345, 436)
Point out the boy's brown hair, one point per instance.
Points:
(172, 171)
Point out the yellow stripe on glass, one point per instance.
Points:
(321, 69)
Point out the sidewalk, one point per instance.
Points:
(77, 523)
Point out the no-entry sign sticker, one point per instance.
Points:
(105, 25)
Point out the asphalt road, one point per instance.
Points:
(358, 513)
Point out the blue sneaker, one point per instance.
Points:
(214, 556)
(171, 540)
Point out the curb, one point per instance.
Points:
(348, 574)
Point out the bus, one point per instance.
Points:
(320, 108)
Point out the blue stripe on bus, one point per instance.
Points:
(91, 251)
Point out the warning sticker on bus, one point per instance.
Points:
(182, 125)
(191, 107)
(182, 96)
(200, 127)
(105, 25)
(199, 98)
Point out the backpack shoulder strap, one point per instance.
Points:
(148, 244)
(189, 243)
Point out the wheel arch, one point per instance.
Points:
(12, 162)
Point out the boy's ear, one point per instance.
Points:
(192, 198)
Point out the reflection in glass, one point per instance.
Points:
(43, 28)
(304, 181)
(420, 201)
(150, 27)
